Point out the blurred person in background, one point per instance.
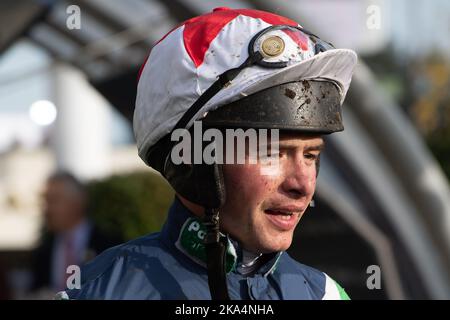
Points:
(70, 238)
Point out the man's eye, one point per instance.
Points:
(311, 156)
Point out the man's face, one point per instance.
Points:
(63, 206)
(261, 211)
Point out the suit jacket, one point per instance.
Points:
(43, 255)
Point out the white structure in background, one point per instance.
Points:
(22, 174)
(80, 139)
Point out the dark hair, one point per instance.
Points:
(70, 179)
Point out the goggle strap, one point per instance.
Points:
(198, 104)
(223, 80)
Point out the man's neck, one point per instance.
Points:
(199, 211)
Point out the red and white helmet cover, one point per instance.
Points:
(188, 60)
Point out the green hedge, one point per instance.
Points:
(130, 205)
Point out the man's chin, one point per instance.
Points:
(271, 247)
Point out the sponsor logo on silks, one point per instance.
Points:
(191, 243)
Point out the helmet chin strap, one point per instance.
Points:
(216, 246)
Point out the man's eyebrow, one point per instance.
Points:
(317, 147)
(314, 147)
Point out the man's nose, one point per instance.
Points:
(299, 179)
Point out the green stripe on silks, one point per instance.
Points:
(342, 293)
(190, 242)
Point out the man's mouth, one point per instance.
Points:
(283, 214)
(284, 219)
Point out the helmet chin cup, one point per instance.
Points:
(199, 183)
